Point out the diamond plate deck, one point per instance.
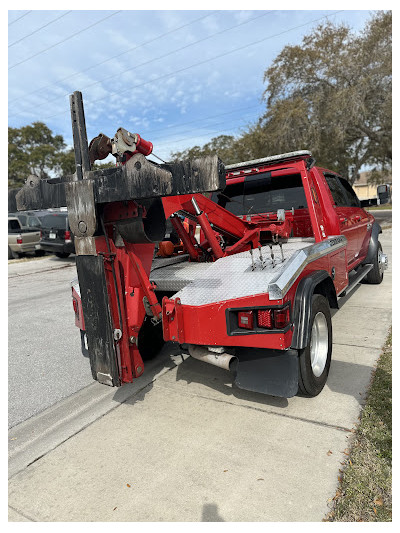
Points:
(176, 276)
(228, 278)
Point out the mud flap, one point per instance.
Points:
(98, 322)
(270, 372)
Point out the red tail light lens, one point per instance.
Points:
(75, 305)
(264, 318)
(19, 239)
(67, 235)
(245, 319)
(282, 317)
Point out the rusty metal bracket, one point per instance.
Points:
(82, 215)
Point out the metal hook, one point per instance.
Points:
(272, 256)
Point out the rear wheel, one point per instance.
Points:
(375, 276)
(39, 253)
(62, 255)
(315, 358)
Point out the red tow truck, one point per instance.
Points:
(239, 264)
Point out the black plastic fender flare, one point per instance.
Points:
(302, 305)
(373, 243)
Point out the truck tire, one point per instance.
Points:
(375, 276)
(315, 358)
(62, 255)
(13, 255)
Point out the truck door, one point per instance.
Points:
(359, 217)
(349, 219)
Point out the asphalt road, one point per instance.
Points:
(382, 216)
(45, 360)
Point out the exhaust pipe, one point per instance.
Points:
(202, 353)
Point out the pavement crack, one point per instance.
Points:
(22, 514)
(355, 345)
(284, 415)
(13, 276)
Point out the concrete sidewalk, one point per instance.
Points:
(189, 447)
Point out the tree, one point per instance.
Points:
(332, 94)
(35, 150)
(223, 145)
(32, 149)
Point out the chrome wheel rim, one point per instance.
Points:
(381, 264)
(319, 344)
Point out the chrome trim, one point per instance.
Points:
(279, 157)
(383, 261)
(280, 285)
(75, 285)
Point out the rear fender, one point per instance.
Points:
(318, 282)
(373, 243)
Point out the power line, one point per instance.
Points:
(118, 55)
(64, 40)
(205, 61)
(195, 129)
(152, 60)
(201, 119)
(176, 50)
(19, 18)
(41, 28)
(207, 133)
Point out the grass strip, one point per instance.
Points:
(365, 489)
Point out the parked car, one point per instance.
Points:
(22, 239)
(57, 238)
(29, 219)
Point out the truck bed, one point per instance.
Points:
(230, 277)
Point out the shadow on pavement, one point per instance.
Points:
(194, 371)
(70, 259)
(351, 379)
(136, 391)
(210, 513)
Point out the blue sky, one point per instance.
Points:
(178, 78)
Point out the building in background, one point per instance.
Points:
(373, 194)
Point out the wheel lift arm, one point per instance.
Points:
(116, 216)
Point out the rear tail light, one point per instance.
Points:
(245, 319)
(19, 239)
(67, 235)
(282, 317)
(265, 318)
(75, 305)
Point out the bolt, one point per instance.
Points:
(138, 369)
(132, 340)
(138, 165)
(117, 334)
(82, 226)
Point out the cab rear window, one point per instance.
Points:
(262, 193)
(55, 221)
(13, 225)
